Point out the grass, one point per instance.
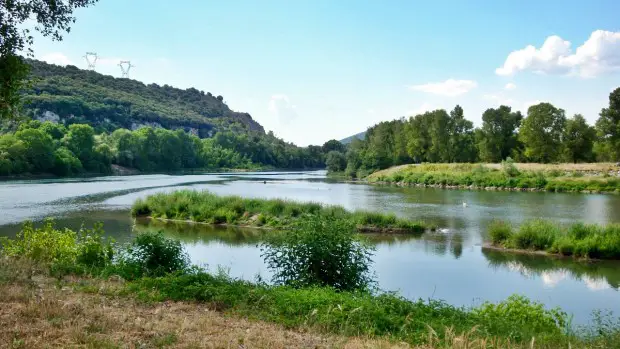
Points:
(206, 207)
(554, 178)
(168, 310)
(578, 240)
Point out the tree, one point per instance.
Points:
(608, 129)
(578, 140)
(497, 138)
(335, 161)
(80, 140)
(333, 144)
(541, 133)
(38, 147)
(461, 146)
(53, 17)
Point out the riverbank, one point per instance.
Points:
(582, 178)
(205, 207)
(87, 302)
(583, 241)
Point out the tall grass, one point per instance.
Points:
(507, 176)
(578, 240)
(206, 207)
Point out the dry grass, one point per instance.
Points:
(583, 167)
(42, 312)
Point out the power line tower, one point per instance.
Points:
(91, 59)
(125, 67)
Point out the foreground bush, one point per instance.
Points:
(206, 207)
(578, 240)
(61, 247)
(320, 251)
(151, 254)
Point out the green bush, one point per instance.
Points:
(319, 251)
(61, 247)
(151, 254)
(499, 232)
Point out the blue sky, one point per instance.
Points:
(322, 69)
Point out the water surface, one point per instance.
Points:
(448, 264)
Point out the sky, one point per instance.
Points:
(314, 70)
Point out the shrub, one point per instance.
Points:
(536, 234)
(509, 168)
(151, 254)
(319, 251)
(499, 232)
(57, 247)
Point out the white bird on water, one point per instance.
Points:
(464, 204)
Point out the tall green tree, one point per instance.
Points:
(498, 136)
(461, 142)
(80, 139)
(53, 17)
(541, 133)
(608, 129)
(578, 140)
(39, 149)
(335, 161)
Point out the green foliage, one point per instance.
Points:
(320, 251)
(608, 129)
(497, 139)
(542, 131)
(578, 240)
(151, 254)
(210, 208)
(335, 161)
(520, 319)
(60, 247)
(578, 140)
(53, 18)
(481, 176)
(499, 232)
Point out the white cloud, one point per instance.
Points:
(510, 86)
(450, 87)
(420, 110)
(595, 284)
(599, 54)
(56, 58)
(552, 278)
(280, 105)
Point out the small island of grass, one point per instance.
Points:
(585, 241)
(206, 207)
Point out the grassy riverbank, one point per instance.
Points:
(88, 305)
(577, 240)
(206, 207)
(507, 176)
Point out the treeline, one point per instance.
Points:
(107, 103)
(51, 148)
(544, 135)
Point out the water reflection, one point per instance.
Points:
(597, 275)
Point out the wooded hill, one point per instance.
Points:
(108, 103)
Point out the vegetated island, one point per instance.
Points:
(584, 178)
(582, 241)
(206, 207)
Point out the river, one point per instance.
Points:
(448, 264)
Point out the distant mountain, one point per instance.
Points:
(349, 139)
(72, 95)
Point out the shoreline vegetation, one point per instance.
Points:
(578, 240)
(152, 271)
(507, 176)
(208, 208)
